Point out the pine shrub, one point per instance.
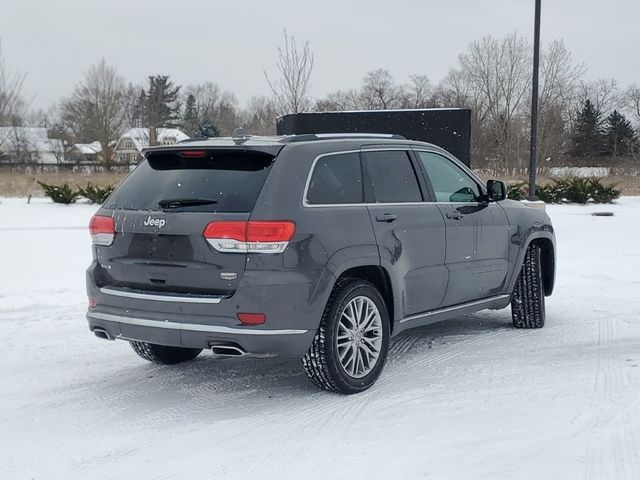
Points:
(574, 190)
(94, 193)
(603, 193)
(60, 193)
(515, 191)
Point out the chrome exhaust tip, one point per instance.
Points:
(227, 350)
(102, 333)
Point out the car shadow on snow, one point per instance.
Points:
(233, 387)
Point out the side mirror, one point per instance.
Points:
(496, 190)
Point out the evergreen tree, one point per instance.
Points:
(190, 117)
(587, 138)
(161, 106)
(207, 130)
(619, 135)
(138, 115)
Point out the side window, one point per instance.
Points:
(392, 176)
(336, 179)
(450, 183)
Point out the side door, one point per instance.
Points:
(477, 230)
(409, 231)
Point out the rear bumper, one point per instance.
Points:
(294, 342)
(290, 301)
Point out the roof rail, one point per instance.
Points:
(306, 137)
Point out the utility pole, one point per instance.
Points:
(533, 152)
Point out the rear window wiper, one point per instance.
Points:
(185, 202)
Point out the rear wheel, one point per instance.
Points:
(350, 348)
(164, 355)
(527, 303)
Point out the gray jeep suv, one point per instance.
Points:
(316, 246)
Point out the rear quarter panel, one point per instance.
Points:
(328, 240)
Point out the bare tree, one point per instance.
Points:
(457, 90)
(259, 116)
(499, 70)
(559, 77)
(380, 91)
(633, 100)
(95, 109)
(214, 106)
(12, 102)
(418, 93)
(131, 106)
(603, 93)
(22, 144)
(291, 88)
(339, 100)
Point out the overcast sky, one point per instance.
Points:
(230, 42)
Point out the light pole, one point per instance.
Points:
(533, 152)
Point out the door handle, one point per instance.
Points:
(454, 215)
(386, 217)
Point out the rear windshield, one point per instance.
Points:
(221, 181)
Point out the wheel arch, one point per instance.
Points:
(379, 277)
(546, 242)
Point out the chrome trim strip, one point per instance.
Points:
(404, 148)
(159, 297)
(193, 327)
(398, 204)
(455, 307)
(306, 204)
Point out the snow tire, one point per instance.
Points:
(321, 362)
(164, 355)
(527, 302)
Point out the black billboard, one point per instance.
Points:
(449, 128)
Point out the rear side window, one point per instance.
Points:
(336, 179)
(392, 176)
(221, 181)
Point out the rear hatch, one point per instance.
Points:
(161, 210)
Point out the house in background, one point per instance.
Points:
(86, 152)
(29, 145)
(129, 146)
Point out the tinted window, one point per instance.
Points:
(392, 177)
(336, 179)
(450, 183)
(231, 180)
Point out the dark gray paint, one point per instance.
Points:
(423, 252)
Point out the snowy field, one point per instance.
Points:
(465, 399)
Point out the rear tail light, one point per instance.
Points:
(102, 230)
(250, 236)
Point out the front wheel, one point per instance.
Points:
(350, 348)
(164, 355)
(527, 303)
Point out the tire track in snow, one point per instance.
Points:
(439, 355)
(331, 416)
(613, 421)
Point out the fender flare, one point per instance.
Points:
(354, 257)
(550, 261)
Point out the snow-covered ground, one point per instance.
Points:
(465, 399)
